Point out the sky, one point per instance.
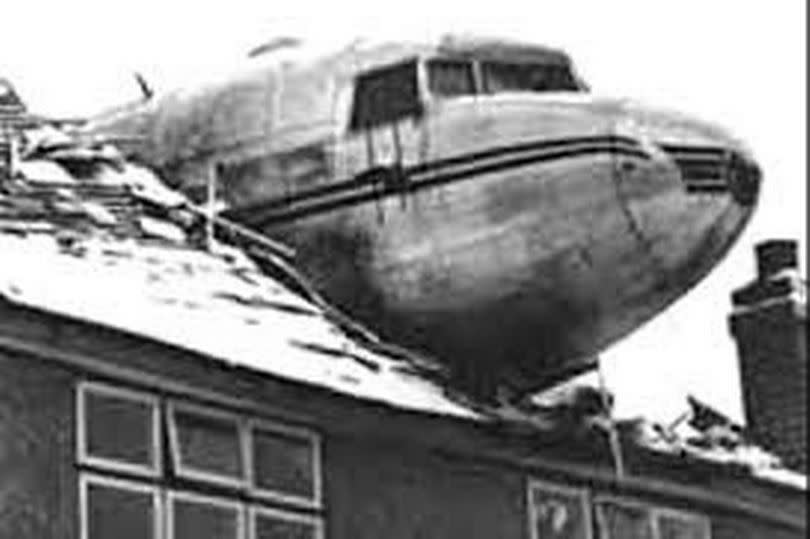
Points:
(740, 64)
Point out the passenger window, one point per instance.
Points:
(386, 95)
(450, 78)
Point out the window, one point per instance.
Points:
(116, 508)
(118, 428)
(624, 519)
(385, 96)
(242, 175)
(206, 444)
(624, 522)
(677, 525)
(450, 77)
(192, 516)
(275, 524)
(230, 476)
(557, 512)
(285, 463)
(506, 77)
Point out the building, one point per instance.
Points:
(156, 384)
(769, 324)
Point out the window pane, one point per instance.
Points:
(114, 512)
(276, 527)
(385, 96)
(208, 444)
(681, 527)
(119, 428)
(194, 519)
(504, 77)
(450, 78)
(624, 522)
(284, 463)
(558, 515)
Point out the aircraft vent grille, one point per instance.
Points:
(703, 169)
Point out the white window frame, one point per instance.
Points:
(177, 452)
(622, 502)
(255, 511)
(107, 390)
(580, 493)
(654, 512)
(657, 512)
(314, 439)
(86, 479)
(214, 501)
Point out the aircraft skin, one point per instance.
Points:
(510, 234)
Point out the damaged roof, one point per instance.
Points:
(91, 237)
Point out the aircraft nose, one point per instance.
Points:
(708, 159)
(694, 196)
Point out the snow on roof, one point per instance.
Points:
(204, 303)
(782, 476)
(716, 444)
(127, 270)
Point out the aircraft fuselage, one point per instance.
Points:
(470, 200)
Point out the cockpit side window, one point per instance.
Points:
(515, 77)
(386, 95)
(448, 78)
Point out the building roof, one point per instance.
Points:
(740, 453)
(88, 249)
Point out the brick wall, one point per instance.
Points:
(769, 324)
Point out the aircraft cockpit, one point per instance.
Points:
(392, 92)
(454, 77)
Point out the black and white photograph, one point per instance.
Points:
(425, 270)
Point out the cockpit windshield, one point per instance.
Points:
(450, 78)
(504, 77)
(457, 77)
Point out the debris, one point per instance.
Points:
(715, 427)
(161, 229)
(79, 218)
(707, 435)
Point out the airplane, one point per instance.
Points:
(470, 199)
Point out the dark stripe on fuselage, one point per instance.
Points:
(434, 173)
(501, 151)
(694, 151)
(437, 165)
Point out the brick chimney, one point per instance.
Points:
(769, 324)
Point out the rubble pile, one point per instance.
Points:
(91, 235)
